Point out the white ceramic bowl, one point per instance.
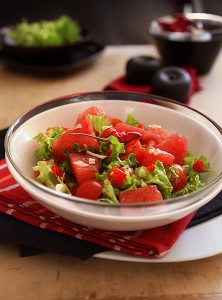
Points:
(203, 134)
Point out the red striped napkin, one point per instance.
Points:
(152, 243)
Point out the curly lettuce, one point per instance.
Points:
(61, 31)
(46, 141)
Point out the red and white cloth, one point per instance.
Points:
(151, 243)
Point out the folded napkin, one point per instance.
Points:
(209, 211)
(121, 84)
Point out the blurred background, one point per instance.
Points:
(110, 21)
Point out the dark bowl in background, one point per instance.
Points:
(181, 50)
(39, 54)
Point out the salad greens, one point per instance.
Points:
(130, 171)
(47, 176)
(46, 141)
(193, 177)
(61, 31)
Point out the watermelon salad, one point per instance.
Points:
(103, 158)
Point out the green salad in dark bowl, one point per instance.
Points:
(44, 40)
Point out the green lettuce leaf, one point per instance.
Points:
(131, 120)
(117, 149)
(109, 192)
(140, 178)
(48, 178)
(99, 123)
(158, 176)
(130, 161)
(193, 178)
(46, 141)
(192, 185)
(190, 160)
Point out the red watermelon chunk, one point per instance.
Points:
(66, 140)
(93, 110)
(176, 145)
(148, 193)
(154, 135)
(150, 156)
(122, 127)
(84, 166)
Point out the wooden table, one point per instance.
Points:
(53, 277)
